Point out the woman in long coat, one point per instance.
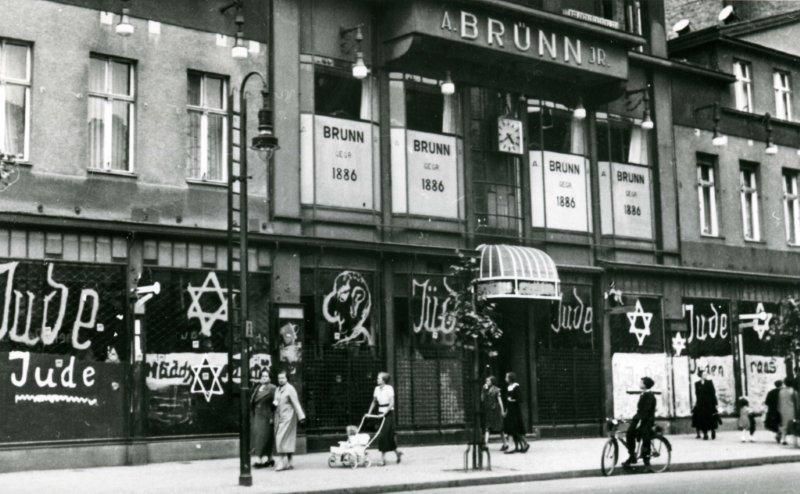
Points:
(704, 415)
(514, 425)
(492, 411)
(772, 420)
(288, 413)
(262, 436)
(787, 407)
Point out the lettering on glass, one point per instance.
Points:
(434, 316)
(51, 384)
(574, 317)
(702, 328)
(196, 311)
(348, 306)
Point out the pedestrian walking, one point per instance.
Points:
(787, 407)
(772, 420)
(288, 413)
(513, 424)
(641, 426)
(704, 416)
(262, 437)
(492, 411)
(383, 398)
(747, 419)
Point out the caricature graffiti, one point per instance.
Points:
(348, 307)
(434, 315)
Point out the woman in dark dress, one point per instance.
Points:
(513, 424)
(262, 434)
(492, 411)
(383, 399)
(704, 415)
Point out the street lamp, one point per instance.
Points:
(647, 122)
(772, 148)
(360, 70)
(717, 139)
(124, 28)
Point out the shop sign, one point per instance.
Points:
(343, 163)
(625, 200)
(559, 192)
(432, 182)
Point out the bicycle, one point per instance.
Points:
(660, 449)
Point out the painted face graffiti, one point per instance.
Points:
(702, 328)
(434, 315)
(574, 317)
(50, 326)
(348, 306)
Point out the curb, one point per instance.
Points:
(535, 477)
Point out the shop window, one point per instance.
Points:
(15, 95)
(340, 95)
(748, 192)
(428, 110)
(707, 197)
(791, 206)
(620, 140)
(207, 127)
(743, 88)
(498, 204)
(551, 127)
(783, 95)
(111, 113)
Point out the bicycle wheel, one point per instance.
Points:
(608, 462)
(660, 454)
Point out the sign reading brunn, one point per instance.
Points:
(343, 163)
(625, 200)
(432, 174)
(558, 191)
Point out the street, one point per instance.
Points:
(768, 479)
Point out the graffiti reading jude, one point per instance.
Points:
(434, 315)
(574, 317)
(702, 328)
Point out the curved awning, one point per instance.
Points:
(511, 271)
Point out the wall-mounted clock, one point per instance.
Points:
(509, 135)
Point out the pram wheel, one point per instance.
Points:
(349, 460)
(367, 463)
(332, 461)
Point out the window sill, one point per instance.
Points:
(209, 183)
(756, 242)
(115, 173)
(706, 236)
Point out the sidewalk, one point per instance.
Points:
(422, 467)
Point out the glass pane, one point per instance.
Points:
(215, 149)
(96, 132)
(424, 110)
(97, 75)
(337, 96)
(14, 140)
(193, 145)
(16, 61)
(120, 78)
(214, 92)
(119, 135)
(707, 209)
(193, 95)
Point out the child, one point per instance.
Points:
(747, 419)
(352, 440)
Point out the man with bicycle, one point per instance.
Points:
(641, 426)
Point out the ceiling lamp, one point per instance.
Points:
(448, 87)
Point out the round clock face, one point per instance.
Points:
(509, 135)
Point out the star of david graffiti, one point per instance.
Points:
(206, 380)
(759, 321)
(196, 311)
(678, 344)
(646, 317)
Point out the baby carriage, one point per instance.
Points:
(353, 452)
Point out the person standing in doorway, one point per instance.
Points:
(492, 411)
(772, 420)
(263, 433)
(514, 425)
(705, 415)
(787, 407)
(288, 413)
(383, 398)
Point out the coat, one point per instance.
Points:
(262, 431)
(491, 414)
(287, 413)
(704, 415)
(646, 411)
(787, 407)
(772, 421)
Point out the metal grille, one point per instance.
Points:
(569, 387)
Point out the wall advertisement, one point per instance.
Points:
(432, 174)
(625, 200)
(559, 191)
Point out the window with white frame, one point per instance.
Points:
(207, 127)
(111, 113)
(707, 194)
(15, 96)
(748, 191)
(783, 95)
(743, 89)
(791, 206)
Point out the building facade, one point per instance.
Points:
(557, 128)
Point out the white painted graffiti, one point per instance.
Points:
(56, 398)
(574, 317)
(678, 344)
(67, 377)
(85, 318)
(206, 380)
(435, 316)
(759, 321)
(348, 306)
(646, 317)
(196, 311)
(702, 328)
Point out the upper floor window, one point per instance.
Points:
(340, 95)
(621, 140)
(15, 94)
(633, 17)
(207, 127)
(791, 206)
(748, 189)
(111, 113)
(428, 110)
(783, 95)
(551, 127)
(743, 89)
(707, 198)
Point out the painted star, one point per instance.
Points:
(206, 380)
(647, 317)
(678, 344)
(207, 319)
(759, 320)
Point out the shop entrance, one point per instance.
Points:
(513, 353)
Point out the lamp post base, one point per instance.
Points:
(245, 480)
